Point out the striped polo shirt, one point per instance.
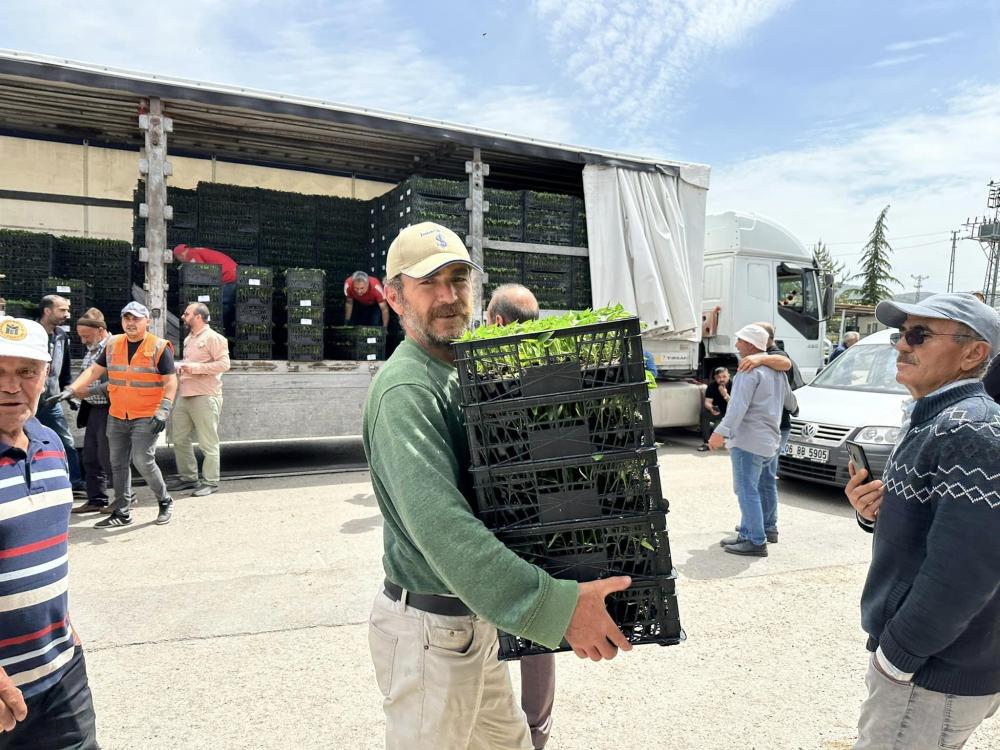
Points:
(36, 639)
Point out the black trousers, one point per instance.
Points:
(61, 718)
(97, 455)
(709, 422)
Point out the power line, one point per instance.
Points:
(901, 247)
(901, 237)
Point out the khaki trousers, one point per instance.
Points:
(197, 417)
(442, 685)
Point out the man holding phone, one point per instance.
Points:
(932, 600)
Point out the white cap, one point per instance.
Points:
(20, 337)
(755, 335)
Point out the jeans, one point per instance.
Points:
(197, 416)
(769, 486)
(747, 470)
(61, 718)
(97, 455)
(133, 440)
(54, 418)
(229, 308)
(903, 716)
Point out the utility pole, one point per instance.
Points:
(154, 165)
(951, 268)
(986, 230)
(476, 206)
(919, 281)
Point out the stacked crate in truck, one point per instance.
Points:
(305, 289)
(229, 220)
(287, 229)
(78, 294)
(505, 219)
(355, 343)
(564, 466)
(254, 320)
(201, 282)
(342, 246)
(105, 266)
(25, 261)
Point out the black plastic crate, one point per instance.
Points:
(297, 314)
(305, 352)
(255, 278)
(646, 613)
(305, 279)
(254, 310)
(252, 350)
(600, 421)
(356, 343)
(587, 550)
(555, 492)
(255, 332)
(208, 295)
(200, 274)
(303, 334)
(561, 361)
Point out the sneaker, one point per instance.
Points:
(771, 534)
(746, 547)
(114, 520)
(80, 492)
(703, 447)
(163, 517)
(204, 490)
(182, 484)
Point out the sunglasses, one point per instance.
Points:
(918, 334)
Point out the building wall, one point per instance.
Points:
(68, 169)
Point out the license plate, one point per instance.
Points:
(808, 452)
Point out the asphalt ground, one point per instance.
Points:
(243, 624)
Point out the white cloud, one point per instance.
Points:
(931, 166)
(926, 42)
(889, 62)
(340, 51)
(635, 59)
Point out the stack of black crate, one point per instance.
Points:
(305, 289)
(355, 343)
(254, 321)
(201, 282)
(564, 466)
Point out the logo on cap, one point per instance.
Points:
(441, 241)
(13, 331)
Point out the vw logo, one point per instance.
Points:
(809, 430)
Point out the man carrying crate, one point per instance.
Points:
(365, 305)
(185, 254)
(449, 581)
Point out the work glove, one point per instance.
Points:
(158, 422)
(66, 395)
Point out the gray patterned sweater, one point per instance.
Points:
(932, 598)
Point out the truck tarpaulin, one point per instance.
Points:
(646, 237)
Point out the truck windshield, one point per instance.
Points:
(865, 367)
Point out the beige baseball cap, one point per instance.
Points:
(421, 249)
(20, 337)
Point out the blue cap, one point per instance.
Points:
(962, 308)
(134, 308)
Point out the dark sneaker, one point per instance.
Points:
(734, 539)
(703, 447)
(89, 507)
(114, 520)
(179, 485)
(164, 515)
(772, 536)
(205, 490)
(746, 547)
(80, 492)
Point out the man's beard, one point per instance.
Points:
(422, 328)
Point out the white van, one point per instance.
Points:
(856, 397)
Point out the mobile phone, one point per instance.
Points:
(857, 454)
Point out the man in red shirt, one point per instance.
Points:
(365, 300)
(185, 254)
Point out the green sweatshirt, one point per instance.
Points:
(418, 453)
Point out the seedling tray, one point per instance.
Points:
(554, 492)
(552, 362)
(646, 613)
(584, 423)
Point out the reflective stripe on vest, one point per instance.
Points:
(136, 387)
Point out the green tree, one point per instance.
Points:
(876, 266)
(830, 265)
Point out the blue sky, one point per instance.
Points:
(814, 113)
